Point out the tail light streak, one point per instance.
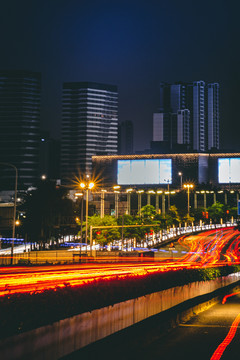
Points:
(221, 348)
(205, 249)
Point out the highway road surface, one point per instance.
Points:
(210, 248)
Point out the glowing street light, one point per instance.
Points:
(88, 185)
(188, 187)
(168, 192)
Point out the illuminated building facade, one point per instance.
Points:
(19, 127)
(89, 125)
(191, 116)
(158, 170)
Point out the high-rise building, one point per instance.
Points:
(165, 132)
(213, 115)
(89, 126)
(125, 137)
(196, 105)
(161, 123)
(183, 127)
(19, 127)
(197, 111)
(172, 97)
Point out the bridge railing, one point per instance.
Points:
(178, 231)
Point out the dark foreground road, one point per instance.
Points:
(201, 336)
(195, 339)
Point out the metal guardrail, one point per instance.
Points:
(173, 232)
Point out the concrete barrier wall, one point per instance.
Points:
(68, 335)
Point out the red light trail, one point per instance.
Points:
(211, 248)
(228, 296)
(221, 348)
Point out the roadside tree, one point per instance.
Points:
(100, 235)
(216, 212)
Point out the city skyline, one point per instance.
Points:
(134, 45)
(188, 116)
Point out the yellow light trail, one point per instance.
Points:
(211, 248)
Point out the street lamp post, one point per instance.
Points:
(86, 231)
(88, 185)
(77, 196)
(168, 193)
(188, 187)
(15, 205)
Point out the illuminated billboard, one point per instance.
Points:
(229, 170)
(141, 172)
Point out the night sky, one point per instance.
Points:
(132, 44)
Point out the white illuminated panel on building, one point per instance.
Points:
(140, 172)
(229, 170)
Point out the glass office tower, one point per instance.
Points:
(89, 126)
(19, 127)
